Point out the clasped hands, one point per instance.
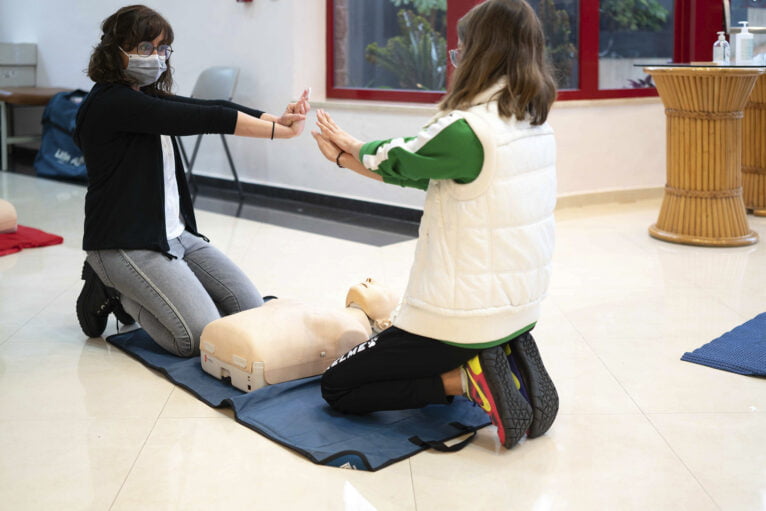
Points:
(294, 116)
(333, 140)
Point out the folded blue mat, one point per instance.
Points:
(295, 415)
(741, 351)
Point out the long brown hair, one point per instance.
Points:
(125, 29)
(503, 39)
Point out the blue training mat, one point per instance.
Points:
(295, 415)
(741, 351)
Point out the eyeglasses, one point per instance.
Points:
(146, 48)
(454, 57)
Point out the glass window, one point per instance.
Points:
(560, 20)
(390, 44)
(397, 49)
(633, 32)
(754, 12)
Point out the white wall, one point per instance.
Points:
(279, 46)
(609, 145)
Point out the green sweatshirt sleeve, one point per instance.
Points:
(445, 149)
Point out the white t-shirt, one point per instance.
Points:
(174, 225)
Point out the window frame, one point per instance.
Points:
(692, 25)
(455, 10)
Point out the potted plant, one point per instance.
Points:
(417, 56)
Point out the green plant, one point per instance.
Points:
(632, 15)
(642, 83)
(558, 41)
(416, 57)
(432, 10)
(422, 6)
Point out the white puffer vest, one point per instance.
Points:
(483, 256)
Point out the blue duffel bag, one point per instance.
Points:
(58, 155)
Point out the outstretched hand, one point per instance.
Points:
(332, 132)
(329, 142)
(294, 116)
(327, 148)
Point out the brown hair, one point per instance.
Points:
(503, 39)
(124, 30)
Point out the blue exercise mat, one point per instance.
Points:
(295, 415)
(741, 351)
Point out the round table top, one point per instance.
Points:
(706, 70)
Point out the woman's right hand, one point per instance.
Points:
(296, 128)
(294, 116)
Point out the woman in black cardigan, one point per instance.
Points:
(146, 261)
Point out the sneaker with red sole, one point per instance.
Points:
(491, 386)
(525, 361)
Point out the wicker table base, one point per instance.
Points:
(754, 150)
(703, 202)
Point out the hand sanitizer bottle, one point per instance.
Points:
(743, 46)
(721, 50)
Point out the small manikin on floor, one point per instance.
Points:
(287, 339)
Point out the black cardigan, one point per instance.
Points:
(118, 130)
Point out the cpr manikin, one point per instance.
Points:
(7, 217)
(286, 339)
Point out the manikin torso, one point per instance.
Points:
(286, 339)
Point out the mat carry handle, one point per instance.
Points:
(439, 445)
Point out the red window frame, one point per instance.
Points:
(693, 25)
(696, 24)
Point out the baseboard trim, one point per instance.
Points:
(608, 197)
(317, 199)
(412, 214)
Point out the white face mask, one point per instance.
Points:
(144, 69)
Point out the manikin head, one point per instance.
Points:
(8, 217)
(375, 300)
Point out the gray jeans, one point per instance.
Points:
(174, 299)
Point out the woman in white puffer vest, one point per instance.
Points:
(483, 256)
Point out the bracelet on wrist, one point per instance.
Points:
(273, 127)
(337, 158)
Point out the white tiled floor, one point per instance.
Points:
(83, 426)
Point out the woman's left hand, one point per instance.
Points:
(336, 135)
(327, 148)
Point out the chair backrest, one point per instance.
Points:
(217, 82)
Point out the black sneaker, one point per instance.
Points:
(518, 379)
(120, 313)
(536, 385)
(491, 386)
(95, 303)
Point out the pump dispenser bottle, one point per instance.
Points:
(721, 50)
(743, 46)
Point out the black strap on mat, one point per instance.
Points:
(439, 445)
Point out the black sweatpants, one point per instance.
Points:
(393, 370)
